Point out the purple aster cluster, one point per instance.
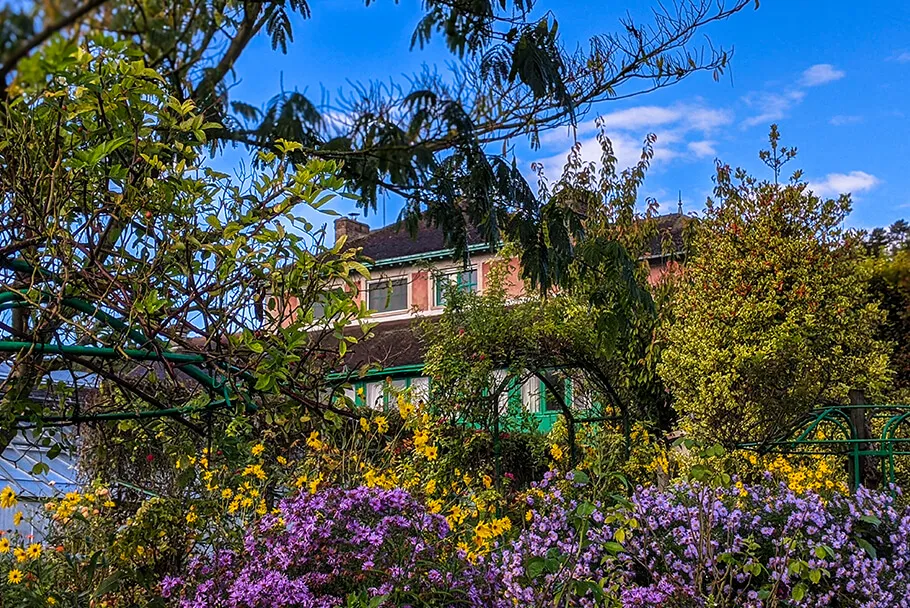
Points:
(318, 549)
(696, 545)
(687, 546)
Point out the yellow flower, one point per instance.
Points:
(431, 452)
(254, 470)
(487, 481)
(556, 452)
(282, 460)
(483, 531)
(191, 517)
(257, 449)
(7, 498)
(314, 485)
(529, 515)
(301, 481)
(4, 545)
(431, 487)
(227, 493)
(109, 504)
(17, 518)
(365, 425)
(15, 576)
(405, 408)
(51, 601)
(20, 554)
(34, 551)
(420, 438)
(435, 506)
(382, 425)
(313, 440)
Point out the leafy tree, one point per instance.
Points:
(890, 286)
(116, 236)
(597, 329)
(432, 141)
(771, 316)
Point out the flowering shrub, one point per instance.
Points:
(335, 545)
(696, 545)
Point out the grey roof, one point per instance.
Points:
(19, 459)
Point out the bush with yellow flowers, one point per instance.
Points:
(27, 574)
(406, 447)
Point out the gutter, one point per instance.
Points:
(430, 255)
(398, 370)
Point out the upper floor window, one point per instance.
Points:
(388, 295)
(464, 280)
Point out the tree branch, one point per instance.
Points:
(41, 37)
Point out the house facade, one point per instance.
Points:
(409, 280)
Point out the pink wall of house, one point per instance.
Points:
(420, 290)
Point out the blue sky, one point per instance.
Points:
(835, 76)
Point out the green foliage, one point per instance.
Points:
(890, 286)
(120, 237)
(771, 316)
(597, 329)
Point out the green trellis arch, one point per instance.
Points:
(856, 431)
(207, 373)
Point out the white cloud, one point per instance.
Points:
(771, 106)
(842, 183)
(641, 117)
(702, 148)
(707, 119)
(845, 119)
(681, 131)
(646, 119)
(903, 57)
(821, 73)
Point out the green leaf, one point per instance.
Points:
(534, 567)
(613, 547)
(798, 592)
(263, 383)
(867, 547)
(581, 478)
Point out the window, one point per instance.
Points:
(386, 296)
(551, 402)
(464, 280)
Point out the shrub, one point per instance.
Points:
(695, 545)
(333, 546)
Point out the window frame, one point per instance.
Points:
(442, 280)
(389, 284)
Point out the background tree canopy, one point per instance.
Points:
(430, 141)
(772, 314)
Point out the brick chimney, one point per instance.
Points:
(345, 226)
